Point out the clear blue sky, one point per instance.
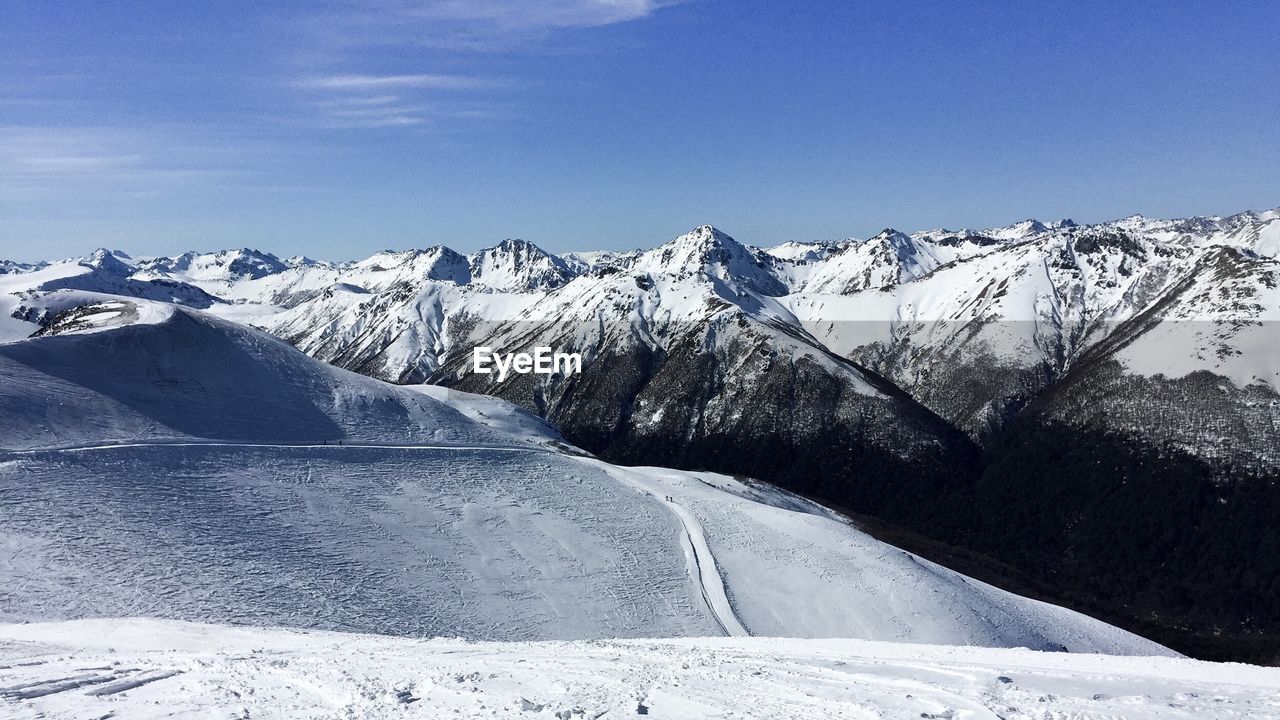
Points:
(343, 127)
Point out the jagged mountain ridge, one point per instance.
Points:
(974, 324)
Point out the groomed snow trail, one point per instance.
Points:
(707, 573)
(143, 669)
(702, 563)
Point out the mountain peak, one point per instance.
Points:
(705, 237)
(1019, 230)
(248, 263)
(518, 245)
(894, 238)
(710, 231)
(518, 265)
(108, 261)
(703, 246)
(713, 253)
(702, 238)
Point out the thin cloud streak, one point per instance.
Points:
(382, 82)
(350, 101)
(538, 14)
(353, 97)
(42, 162)
(467, 27)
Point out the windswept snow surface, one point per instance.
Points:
(189, 469)
(152, 669)
(483, 543)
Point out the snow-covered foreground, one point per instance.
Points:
(151, 669)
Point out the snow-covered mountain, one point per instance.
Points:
(226, 266)
(890, 258)
(159, 461)
(895, 376)
(516, 266)
(390, 315)
(973, 325)
(30, 296)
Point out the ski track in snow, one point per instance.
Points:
(708, 575)
(145, 669)
(702, 563)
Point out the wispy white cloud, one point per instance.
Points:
(135, 162)
(536, 14)
(342, 110)
(55, 164)
(363, 101)
(32, 157)
(437, 34)
(62, 154)
(369, 101)
(383, 82)
(467, 25)
(357, 113)
(380, 118)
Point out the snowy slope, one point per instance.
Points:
(1198, 370)
(152, 669)
(749, 533)
(189, 468)
(186, 375)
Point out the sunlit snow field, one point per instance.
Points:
(151, 669)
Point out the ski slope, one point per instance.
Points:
(151, 669)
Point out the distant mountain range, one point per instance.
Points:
(1092, 408)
